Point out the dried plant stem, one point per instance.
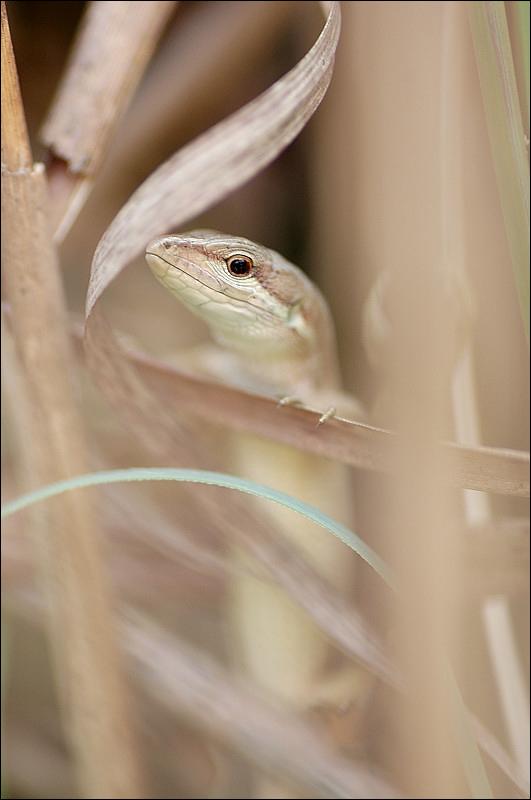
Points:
(413, 338)
(496, 614)
(421, 530)
(478, 509)
(506, 660)
(113, 47)
(51, 447)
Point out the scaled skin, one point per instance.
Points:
(274, 318)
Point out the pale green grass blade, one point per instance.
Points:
(503, 114)
(209, 478)
(523, 31)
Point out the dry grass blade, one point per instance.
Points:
(478, 508)
(49, 447)
(485, 469)
(113, 46)
(190, 683)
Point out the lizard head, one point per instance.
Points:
(250, 296)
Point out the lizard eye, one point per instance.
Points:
(240, 265)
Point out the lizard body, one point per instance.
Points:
(276, 335)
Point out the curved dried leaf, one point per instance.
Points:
(219, 161)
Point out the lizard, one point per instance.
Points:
(273, 334)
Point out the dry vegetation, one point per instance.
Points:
(404, 195)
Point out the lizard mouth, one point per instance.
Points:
(162, 267)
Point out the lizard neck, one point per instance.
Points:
(282, 364)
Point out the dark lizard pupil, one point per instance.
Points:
(240, 266)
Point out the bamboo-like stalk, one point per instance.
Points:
(50, 446)
(413, 328)
(477, 506)
(422, 531)
(111, 51)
